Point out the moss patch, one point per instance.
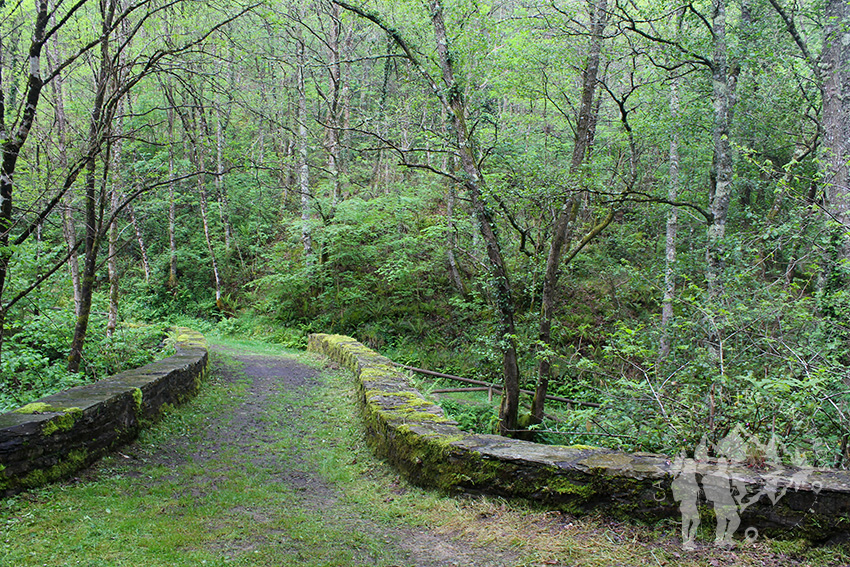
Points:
(137, 399)
(62, 422)
(73, 461)
(35, 407)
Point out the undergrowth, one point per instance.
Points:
(34, 362)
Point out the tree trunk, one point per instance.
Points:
(137, 229)
(503, 297)
(452, 244)
(94, 206)
(200, 164)
(378, 169)
(585, 130)
(672, 227)
(835, 121)
(220, 187)
(720, 193)
(303, 169)
(335, 105)
(114, 201)
(200, 158)
(172, 207)
(143, 249)
(12, 144)
(68, 229)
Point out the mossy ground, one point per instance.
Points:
(273, 470)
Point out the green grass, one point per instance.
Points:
(166, 507)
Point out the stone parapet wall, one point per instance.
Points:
(414, 435)
(59, 434)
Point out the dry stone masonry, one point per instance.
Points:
(59, 434)
(414, 435)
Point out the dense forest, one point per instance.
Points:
(637, 205)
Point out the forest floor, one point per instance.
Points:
(267, 466)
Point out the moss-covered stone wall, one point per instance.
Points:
(414, 435)
(59, 434)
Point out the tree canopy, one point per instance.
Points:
(638, 205)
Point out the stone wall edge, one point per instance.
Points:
(59, 434)
(414, 435)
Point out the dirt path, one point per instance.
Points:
(259, 422)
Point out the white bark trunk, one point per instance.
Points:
(220, 187)
(143, 249)
(303, 169)
(835, 70)
(721, 189)
(68, 229)
(672, 227)
(172, 207)
(114, 202)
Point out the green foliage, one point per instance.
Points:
(779, 372)
(381, 234)
(34, 361)
(472, 417)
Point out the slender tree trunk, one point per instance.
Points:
(98, 124)
(94, 206)
(200, 155)
(303, 169)
(143, 249)
(721, 187)
(449, 163)
(172, 207)
(345, 142)
(13, 142)
(561, 233)
(202, 194)
(117, 184)
(672, 227)
(334, 104)
(720, 193)
(450, 253)
(835, 120)
(68, 228)
(114, 201)
(137, 229)
(378, 168)
(220, 187)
